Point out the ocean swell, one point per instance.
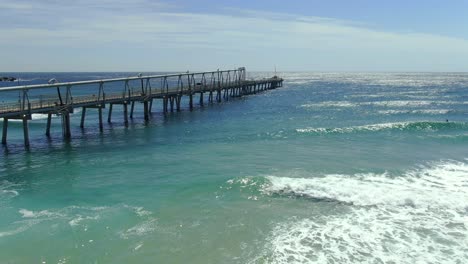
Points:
(396, 126)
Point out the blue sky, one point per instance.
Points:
(144, 35)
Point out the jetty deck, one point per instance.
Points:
(61, 99)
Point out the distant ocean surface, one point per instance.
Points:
(330, 168)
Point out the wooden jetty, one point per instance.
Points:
(61, 99)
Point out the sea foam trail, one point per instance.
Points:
(396, 126)
(80, 217)
(412, 104)
(420, 216)
(414, 112)
(8, 190)
(333, 104)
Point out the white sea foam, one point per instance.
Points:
(40, 214)
(299, 81)
(140, 229)
(371, 236)
(420, 216)
(80, 218)
(440, 186)
(86, 208)
(8, 189)
(414, 95)
(399, 106)
(30, 219)
(338, 104)
(412, 103)
(140, 211)
(421, 111)
(10, 192)
(76, 216)
(23, 227)
(420, 126)
(372, 127)
(402, 103)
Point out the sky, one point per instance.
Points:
(180, 35)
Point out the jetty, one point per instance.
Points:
(55, 98)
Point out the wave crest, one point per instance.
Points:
(397, 126)
(416, 217)
(443, 185)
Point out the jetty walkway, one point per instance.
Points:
(61, 99)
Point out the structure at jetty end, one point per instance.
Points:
(61, 99)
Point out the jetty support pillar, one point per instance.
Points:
(109, 116)
(5, 131)
(26, 131)
(151, 106)
(165, 104)
(171, 102)
(131, 109)
(101, 127)
(146, 110)
(49, 122)
(66, 125)
(191, 101)
(125, 112)
(83, 115)
(178, 99)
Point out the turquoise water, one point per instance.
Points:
(330, 168)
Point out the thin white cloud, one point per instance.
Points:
(9, 5)
(259, 38)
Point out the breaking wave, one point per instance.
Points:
(384, 104)
(419, 216)
(423, 112)
(443, 185)
(397, 126)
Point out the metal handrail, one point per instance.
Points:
(52, 101)
(54, 85)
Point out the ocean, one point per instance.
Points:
(330, 168)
